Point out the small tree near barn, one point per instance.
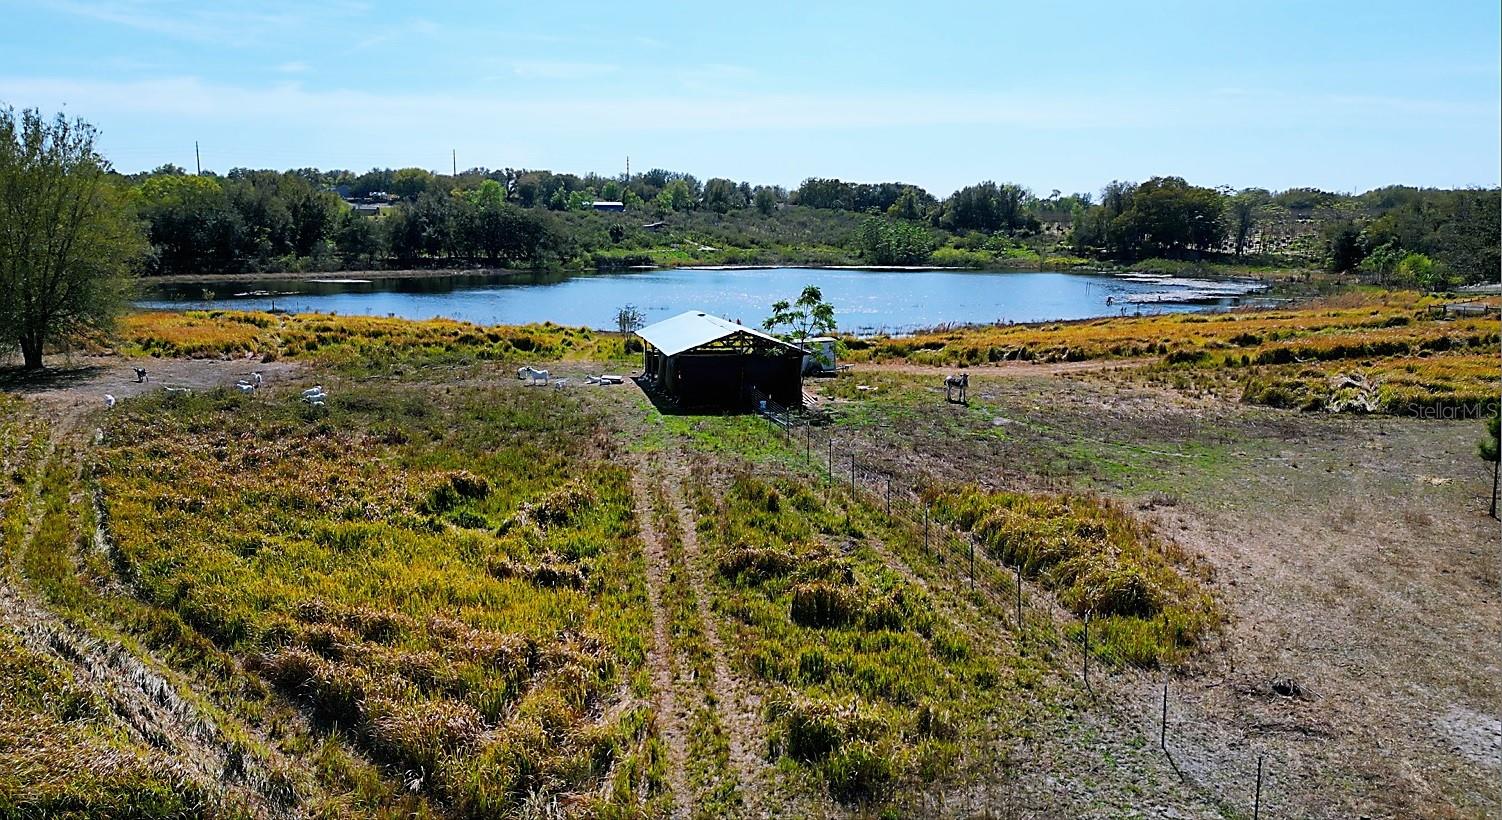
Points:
(629, 319)
(809, 316)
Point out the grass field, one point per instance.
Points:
(452, 581)
(867, 688)
(63, 752)
(445, 594)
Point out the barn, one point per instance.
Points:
(701, 361)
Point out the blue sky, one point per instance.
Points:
(1337, 94)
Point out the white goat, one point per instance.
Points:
(532, 374)
(109, 401)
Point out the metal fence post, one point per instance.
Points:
(889, 499)
(1257, 800)
(1087, 654)
(1163, 727)
(852, 476)
(972, 563)
(1019, 602)
(808, 445)
(925, 530)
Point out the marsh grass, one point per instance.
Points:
(62, 750)
(450, 581)
(64, 754)
(1285, 358)
(362, 343)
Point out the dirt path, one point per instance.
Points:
(660, 658)
(1003, 369)
(69, 389)
(738, 707)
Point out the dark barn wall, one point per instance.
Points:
(721, 379)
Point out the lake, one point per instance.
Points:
(866, 301)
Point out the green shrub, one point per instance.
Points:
(756, 564)
(820, 604)
(859, 772)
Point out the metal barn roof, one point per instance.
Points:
(696, 328)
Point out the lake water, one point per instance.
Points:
(865, 301)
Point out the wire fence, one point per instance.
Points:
(819, 455)
(851, 470)
(846, 470)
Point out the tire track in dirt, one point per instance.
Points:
(660, 659)
(152, 708)
(143, 698)
(738, 707)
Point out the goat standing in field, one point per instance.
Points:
(140, 374)
(960, 384)
(532, 375)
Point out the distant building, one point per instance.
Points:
(368, 208)
(604, 205)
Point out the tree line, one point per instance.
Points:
(261, 220)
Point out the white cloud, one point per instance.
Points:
(293, 67)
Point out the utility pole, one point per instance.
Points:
(197, 160)
(628, 168)
(454, 155)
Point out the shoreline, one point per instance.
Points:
(437, 273)
(312, 276)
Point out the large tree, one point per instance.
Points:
(67, 245)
